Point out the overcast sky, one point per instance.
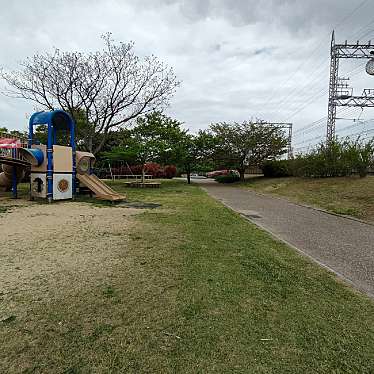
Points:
(236, 59)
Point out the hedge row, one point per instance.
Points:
(339, 158)
(228, 178)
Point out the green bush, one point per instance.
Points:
(338, 159)
(362, 156)
(276, 169)
(229, 178)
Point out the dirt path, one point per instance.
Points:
(47, 251)
(343, 245)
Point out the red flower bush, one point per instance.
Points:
(151, 168)
(170, 171)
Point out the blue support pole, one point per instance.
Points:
(31, 134)
(50, 163)
(73, 148)
(54, 135)
(14, 177)
(31, 129)
(14, 183)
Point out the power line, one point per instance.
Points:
(310, 90)
(352, 73)
(313, 81)
(321, 43)
(316, 125)
(351, 13)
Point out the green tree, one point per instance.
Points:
(241, 145)
(14, 133)
(192, 152)
(153, 139)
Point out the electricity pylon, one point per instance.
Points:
(340, 94)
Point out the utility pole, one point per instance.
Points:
(288, 127)
(340, 94)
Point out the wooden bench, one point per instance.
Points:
(137, 177)
(138, 184)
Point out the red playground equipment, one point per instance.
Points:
(13, 167)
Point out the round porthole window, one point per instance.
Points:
(63, 185)
(84, 165)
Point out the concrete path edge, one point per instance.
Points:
(310, 207)
(350, 283)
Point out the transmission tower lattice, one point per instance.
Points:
(339, 92)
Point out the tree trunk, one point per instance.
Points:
(102, 143)
(241, 173)
(188, 172)
(90, 143)
(143, 173)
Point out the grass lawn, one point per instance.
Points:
(347, 195)
(205, 292)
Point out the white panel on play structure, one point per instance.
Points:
(62, 186)
(38, 185)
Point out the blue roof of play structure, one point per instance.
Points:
(56, 118)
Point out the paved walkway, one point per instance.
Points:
(343, 245)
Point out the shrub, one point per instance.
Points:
(338, 159)
(361, 156)
(170, 171)
(135, 169)
(154, 169)
(276, 169)
(228, 178)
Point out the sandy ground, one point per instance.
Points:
(47, 251)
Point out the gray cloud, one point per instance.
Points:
(237, 59)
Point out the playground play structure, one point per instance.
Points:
(55, 169)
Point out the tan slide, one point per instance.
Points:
(85, 161)
(99, 188)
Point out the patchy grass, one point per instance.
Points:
(7, 204)
(4, 209)
(197, 290)
(350, 195)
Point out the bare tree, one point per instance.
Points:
(111, 86)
